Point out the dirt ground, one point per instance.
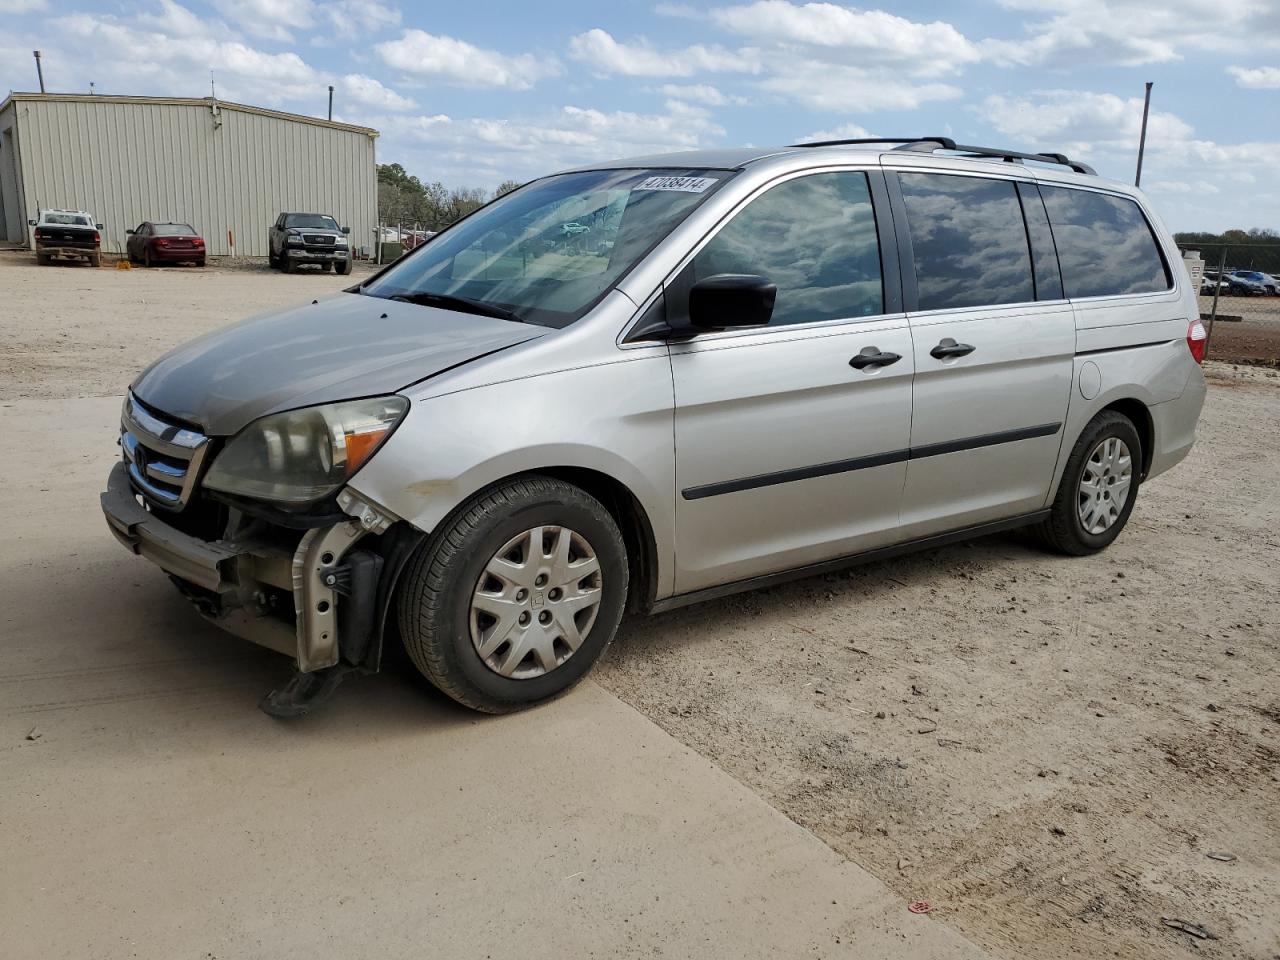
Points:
(1047, 749)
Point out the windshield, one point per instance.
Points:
(546, 253)
(70, 219)
(311, 221)
(173, 230)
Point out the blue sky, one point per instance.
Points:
(475, 93)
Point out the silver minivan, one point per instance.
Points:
(645, 383)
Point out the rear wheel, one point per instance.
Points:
(200, 262)
(512, 600)
(95, 258)
(1098, 489)
(43, 259)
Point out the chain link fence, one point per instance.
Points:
(1239, 299)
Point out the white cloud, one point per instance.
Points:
(1256, 78)
(639, 58)
(270, 19)
(490, 150)
(872, 37)
(1132, 32)
(848, 89)
(1076, 121)
(700, 93)
(22, 6)
(360, 16)
(426, 55)
(846, 131)
(369, 92)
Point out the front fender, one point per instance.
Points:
(614, 418)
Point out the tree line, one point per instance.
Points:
(403, 198)
(1256, 249)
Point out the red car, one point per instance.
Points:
(151, 243)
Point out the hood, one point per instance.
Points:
(341, 348)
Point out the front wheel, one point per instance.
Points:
(515, 597)
(1098, 488)
(343, 268)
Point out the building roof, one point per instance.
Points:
(185, 101)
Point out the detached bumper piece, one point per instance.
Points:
(323, 604)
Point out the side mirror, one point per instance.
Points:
(346, 229)
(129, 231)
(97, 226)
(729, 301)
(32, 223)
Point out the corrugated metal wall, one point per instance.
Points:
(126, 162)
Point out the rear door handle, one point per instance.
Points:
(949, 348)
(873, 357)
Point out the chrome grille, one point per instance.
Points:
(164, 458)
(319, 239)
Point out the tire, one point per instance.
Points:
(95, 259)
(200, 262)
(343, 268)
(43, 259)
(146, 258)
(326, 267)
(272, 261)
(1065, 530)
(437, 620)
(286, 264)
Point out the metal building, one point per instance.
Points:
(225, 168)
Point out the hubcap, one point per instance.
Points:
(1104, 486)
(535, 603)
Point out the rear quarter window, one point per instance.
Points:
(1105, 245)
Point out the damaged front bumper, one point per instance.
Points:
(338, 593)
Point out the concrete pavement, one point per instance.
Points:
(157, 813)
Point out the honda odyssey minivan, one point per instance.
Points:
(644, 383)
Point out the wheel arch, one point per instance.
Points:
(627, 511)
(1137, 413)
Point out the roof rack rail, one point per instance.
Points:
(933, 144)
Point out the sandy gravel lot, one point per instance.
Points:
(1048, 749)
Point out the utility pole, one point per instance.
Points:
(331, 101)
(39, 70)
(1142, 139)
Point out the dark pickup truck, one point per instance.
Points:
(298, 238)
(67, 233)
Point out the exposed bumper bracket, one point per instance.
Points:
(304, 692)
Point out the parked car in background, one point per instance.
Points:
(152, 242)
(298, 238)
(1256, 281)
(67, 233)
(490, 453)
(1211, 282)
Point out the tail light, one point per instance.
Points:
(1197, 340)
(97, 237)
(197, 241)
(161, 242)
(39, 235)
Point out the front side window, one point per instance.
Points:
(968, 240)
(548, 252)
(1105, 244)
(815, 238)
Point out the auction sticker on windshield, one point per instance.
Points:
(682, 184)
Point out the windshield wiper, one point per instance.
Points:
(463, 304)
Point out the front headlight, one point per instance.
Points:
(304, 455)
(293, 240)
(340, 241)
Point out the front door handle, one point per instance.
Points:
(949, 348)
(873, 357)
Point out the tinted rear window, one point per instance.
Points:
(1105, 245)
(968, 241)
(174, 230)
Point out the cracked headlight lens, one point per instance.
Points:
(301, 456)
